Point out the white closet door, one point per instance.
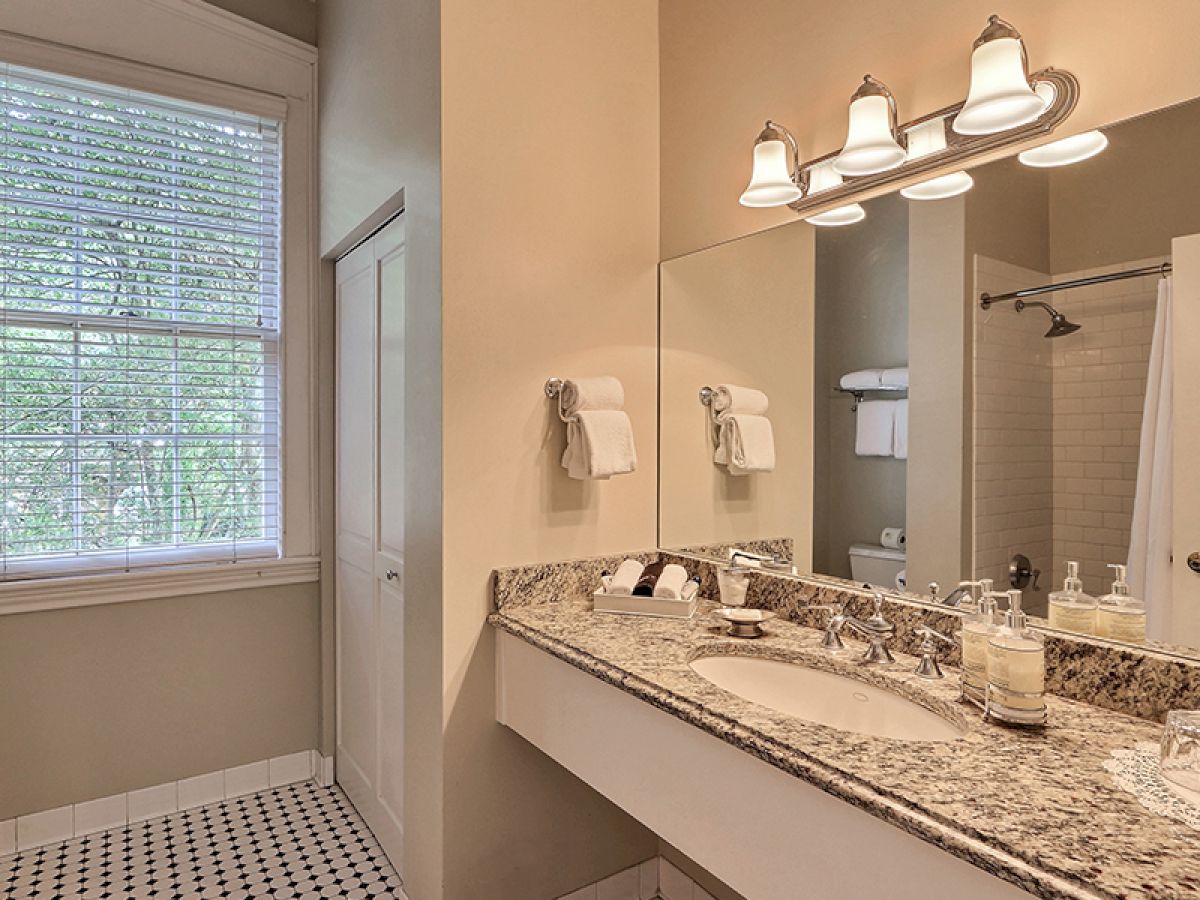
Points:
(370, 533)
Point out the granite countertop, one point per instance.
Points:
(1035, 807)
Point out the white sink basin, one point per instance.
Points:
(825, 698)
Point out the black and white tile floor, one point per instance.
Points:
(297, 841)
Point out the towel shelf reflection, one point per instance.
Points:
(859, 394)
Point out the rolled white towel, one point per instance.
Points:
(747, 445)
(599, 444)
(602, 392)
(875, 428)
(862, 380)
(626, 577)
(670, 583)
(689, 590)
(896, 378)
(729, 399)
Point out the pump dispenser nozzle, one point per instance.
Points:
(1015, 618)
(1120, 586)
(1072, 582)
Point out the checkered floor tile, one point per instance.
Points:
(297, 841)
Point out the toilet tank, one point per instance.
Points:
(873, 564)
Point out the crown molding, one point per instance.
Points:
(233, 25)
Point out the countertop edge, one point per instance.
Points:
(997, 862)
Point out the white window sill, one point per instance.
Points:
(66, 592)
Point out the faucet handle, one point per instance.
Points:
(928, 666)
(832, 641)
(934, 590)
(877, 619)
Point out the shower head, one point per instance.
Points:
(1059, 324)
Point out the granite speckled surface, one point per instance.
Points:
(1146, 682)
(1057, 826)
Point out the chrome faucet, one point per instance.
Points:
(928, 666)
(877, 630)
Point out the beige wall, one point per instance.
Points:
(295, 18)
(740, 313)
(381, 135)
(550, 193)
(861, 323)
(728, 66)
(1128, 202)
(122, 696)
(100, 700)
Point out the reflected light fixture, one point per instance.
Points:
(1000, 96)
(924, 139)
(871, 140)
(822, 177)
(1065, 152)
(772, 183)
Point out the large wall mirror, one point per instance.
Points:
(919, 436)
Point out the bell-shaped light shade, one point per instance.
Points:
(770, 182)
(924, 139)
(939, 188)
(1000, 96)
(1070, 150)
(870, 143)
(822, 177)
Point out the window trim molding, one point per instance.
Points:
(290, 67)
(73, 591)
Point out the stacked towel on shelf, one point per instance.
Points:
(599, 433)
(862, 380)
(745, 441)
(894, 378)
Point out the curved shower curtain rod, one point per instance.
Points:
(986, 300)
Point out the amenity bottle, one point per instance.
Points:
(1120, 616)
(1016, 669)
(1071, 609)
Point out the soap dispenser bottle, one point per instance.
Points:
(1120, 616)
(1016, 662)
(979, 624)
(1071, 609)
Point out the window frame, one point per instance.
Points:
(298, 559)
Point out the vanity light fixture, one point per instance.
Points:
(924, 139)
(872, 140)
(771, 182)
(823, 177)
(1065, 152)
(1001, 95)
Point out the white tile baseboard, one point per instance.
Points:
(638, 882)
(54, 825)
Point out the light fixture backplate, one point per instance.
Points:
(960, 148)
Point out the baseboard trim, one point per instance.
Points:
(53, 826)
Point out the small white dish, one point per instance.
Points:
(744, 622)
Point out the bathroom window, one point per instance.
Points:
(139, 329)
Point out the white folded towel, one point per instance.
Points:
(626, 577)
(862, 380)
(729, 400)
(900, 437)
(670, 583)
(876, 426)
(896, 378)
(603, 392)
(746, 444)
(599, 445)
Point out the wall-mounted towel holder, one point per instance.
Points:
(707, 395)
(859, 394)
(554, 390)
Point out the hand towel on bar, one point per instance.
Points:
(603, 392)
(626, 577)
(862, 380)
(894, 378)
(876, 426)
(746, 444)
(599, 445)
(599, 433)
(900, 438)
(670, 583)
(729, 400)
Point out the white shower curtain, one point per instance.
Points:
(1150, 541)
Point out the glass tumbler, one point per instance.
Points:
(1181, 749)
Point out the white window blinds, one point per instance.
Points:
(139, 329)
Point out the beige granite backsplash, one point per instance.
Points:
(1137, 682)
